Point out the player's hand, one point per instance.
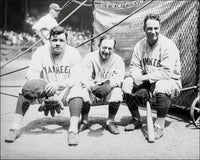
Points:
(51, 88)
(138, 81)
(102, 90)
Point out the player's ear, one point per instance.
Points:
(114, 43)
(144, 28)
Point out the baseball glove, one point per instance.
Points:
(51, 106)
(102, 90)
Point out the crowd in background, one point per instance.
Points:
(14, 38)
(75, 37)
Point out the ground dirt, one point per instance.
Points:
(46, 137)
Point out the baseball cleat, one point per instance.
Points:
(136, 124)
(83, 126)
(112, 128)
(72, 139)
(12, 136)
(159, 132)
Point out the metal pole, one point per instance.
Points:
(92, 32)
(14, 58)
(5, 15)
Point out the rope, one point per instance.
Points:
(188, 88)
(66, 4)
(8, 94)
(15, 57)
(105, 30)
(72, 12)
(137, 10)
(14, 71)
(86, 5)
(102, 32)
(10, 86)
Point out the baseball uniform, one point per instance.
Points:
(160, 64)
(96, 71)
(45, 24)
(64, 72)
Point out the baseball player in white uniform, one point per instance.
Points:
(155, 66)
(53, 76)
(103, 76)
(45, 23)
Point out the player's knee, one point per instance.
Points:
(116, 91)
(116, 95)
(76, 101)
(127, 85)
(163, 87)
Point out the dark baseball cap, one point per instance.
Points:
(54, 6)
(34, 89)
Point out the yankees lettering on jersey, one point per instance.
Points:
(151, 62)
(105, 74)
(57, 69)
(97, 71)
(161, 61)
(43, 65)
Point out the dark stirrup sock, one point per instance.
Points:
(162, 105)
(113, 107)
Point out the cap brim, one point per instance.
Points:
(57, 9)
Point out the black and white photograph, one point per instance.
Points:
(100, 79)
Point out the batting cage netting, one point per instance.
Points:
(179, 22)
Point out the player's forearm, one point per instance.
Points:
(135, 72)
(156, 76)
(88, 84)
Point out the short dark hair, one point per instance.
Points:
(151, 16)
(109, 37)
(58, 30)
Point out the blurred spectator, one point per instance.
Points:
(45, 23)
(14, 38)
(75, 37)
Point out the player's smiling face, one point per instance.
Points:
(152, 30)
(106, 48)
(58, 43)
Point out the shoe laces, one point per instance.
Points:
(157, 126)
(84, 122)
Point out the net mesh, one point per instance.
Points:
(179, 22)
